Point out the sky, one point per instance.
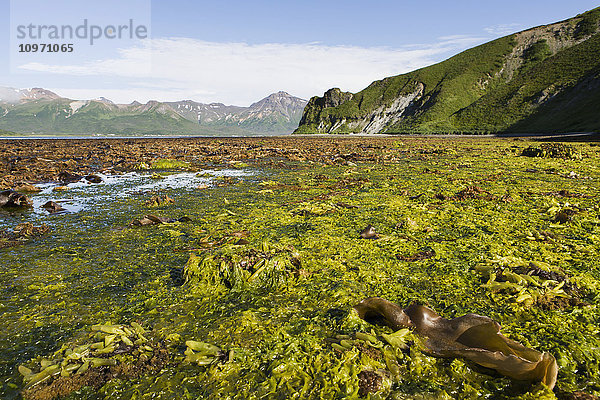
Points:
(237, 52)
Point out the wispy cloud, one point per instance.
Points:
(503, 29)
(239, 73)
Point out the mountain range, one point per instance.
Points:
(40, 111)
(544, 79)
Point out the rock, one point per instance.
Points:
(92, 178)
(151, 220)
(61, 188)
(369, 233)
(52, 207)
(563, 216)
(156, 220)
(158, 201)
(10, 198)
(21, 234)
(421, 255)
(67, 177)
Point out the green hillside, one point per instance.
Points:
(542, 79)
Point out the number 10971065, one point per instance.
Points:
(45, 48)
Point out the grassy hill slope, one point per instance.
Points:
(535, 80)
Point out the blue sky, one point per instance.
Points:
(237, 52)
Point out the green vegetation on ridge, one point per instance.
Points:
(499, 86)
(513, 102)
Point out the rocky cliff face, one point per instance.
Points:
(312, 112)
(495, 87)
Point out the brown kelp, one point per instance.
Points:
(21, 234)
(471, 336)
(10, 198)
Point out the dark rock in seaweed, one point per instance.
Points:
(52, 207)
(156, 220)
(421, 255)
(10, 198)
(369, 233)
(150, 220)
(471, 336)
(92, 178)
(67, 177)
(369, 351)
(27, 229)
(564, 215)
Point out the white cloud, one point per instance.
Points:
(503, 29)
(240, 73)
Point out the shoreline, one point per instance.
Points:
(32, 160)
(591, 135)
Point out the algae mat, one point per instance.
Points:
(251, 295)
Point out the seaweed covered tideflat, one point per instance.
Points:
(239, 268)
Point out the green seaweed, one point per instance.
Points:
(270, 266)
(169, 164)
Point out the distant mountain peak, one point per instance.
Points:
(12, 95)
(38, 94)
(280, 94)
(104, 100)
(281, 102)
